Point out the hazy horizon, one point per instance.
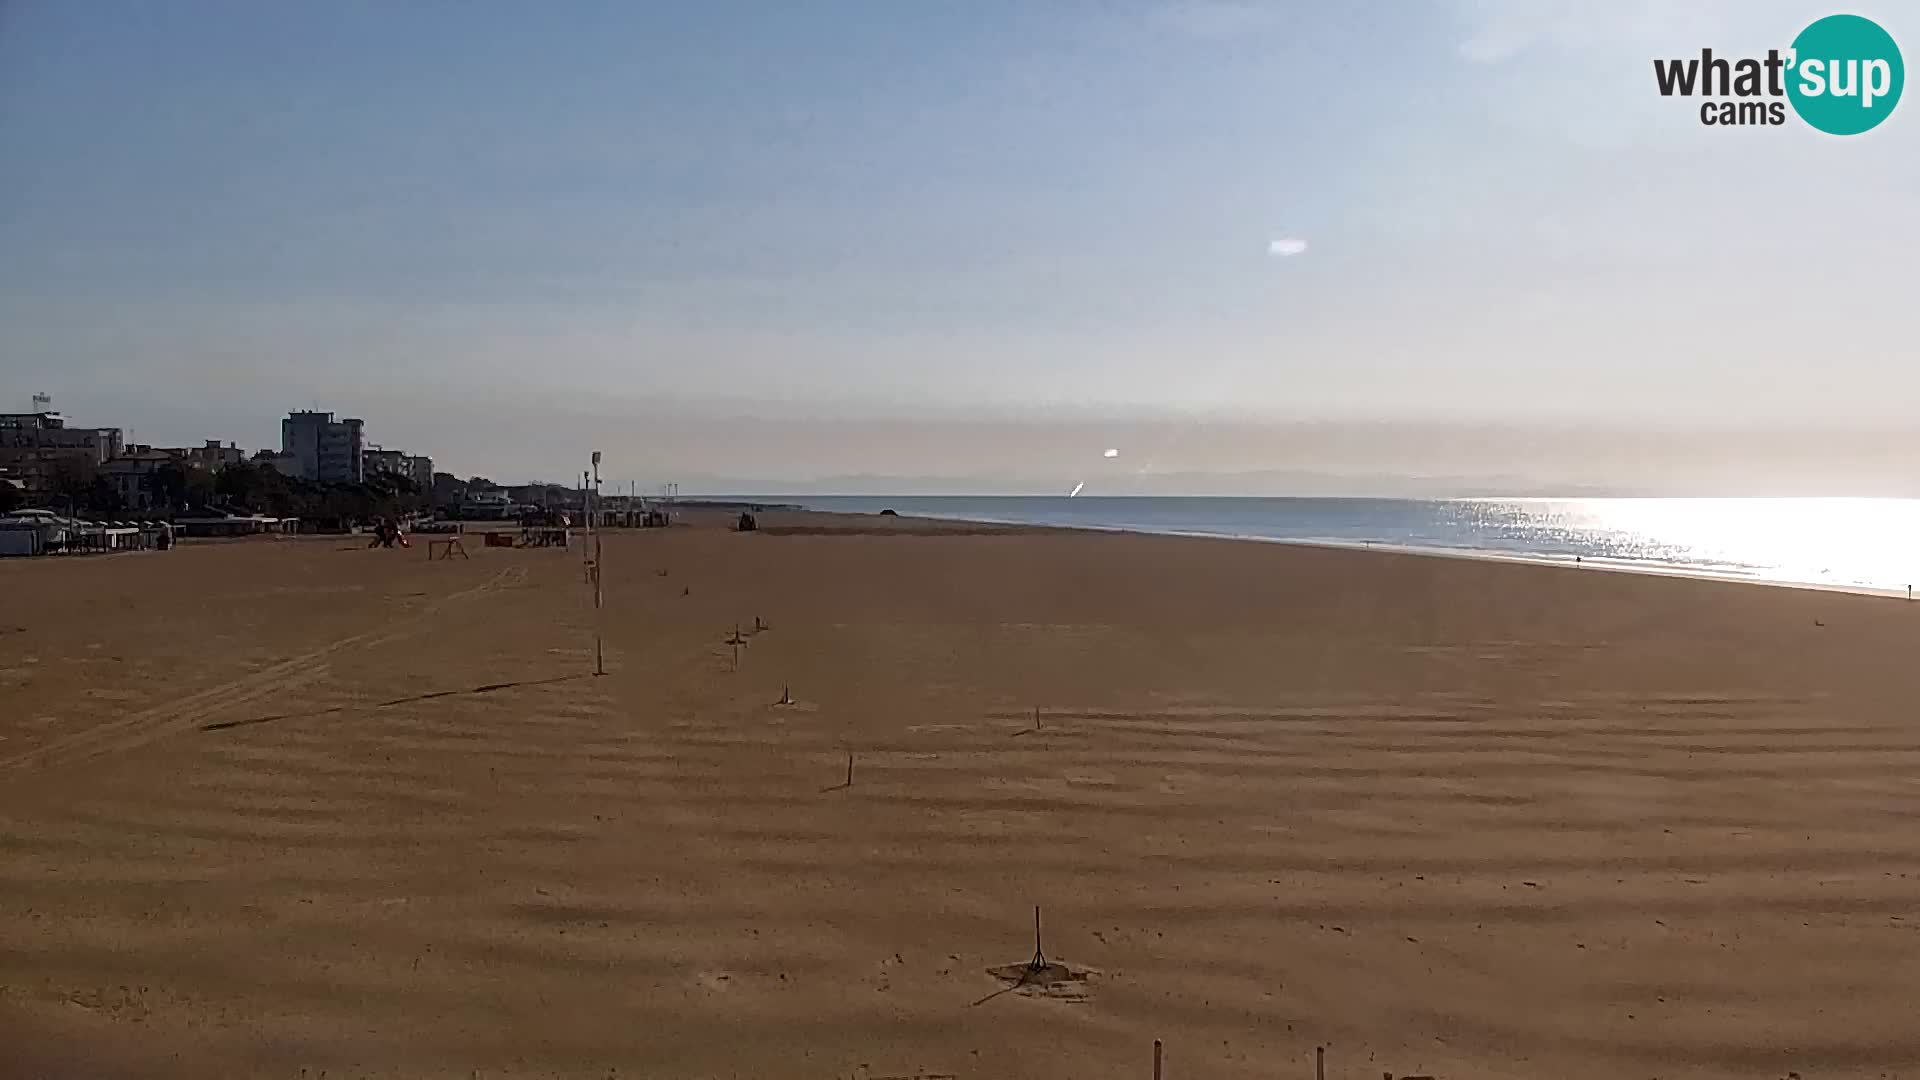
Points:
(743, 452)
(1444, 248)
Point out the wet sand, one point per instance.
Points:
(294, 805)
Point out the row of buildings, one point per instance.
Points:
(317, 447)
(40, 452)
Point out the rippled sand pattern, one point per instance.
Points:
(275, 807)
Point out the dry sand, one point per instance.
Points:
(271, 808)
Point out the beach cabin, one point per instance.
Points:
(234, 525)
(33, 532)
(101, 537)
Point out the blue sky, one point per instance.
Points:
(745, 240)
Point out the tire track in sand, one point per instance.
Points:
(184, 713)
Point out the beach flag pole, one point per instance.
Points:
(599, 656)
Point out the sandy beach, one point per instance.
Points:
(290, 807)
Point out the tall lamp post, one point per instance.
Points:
(593, 527)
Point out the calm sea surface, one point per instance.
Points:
(1870, 544)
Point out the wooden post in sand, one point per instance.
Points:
(1156, 1059)
(1319, 1063)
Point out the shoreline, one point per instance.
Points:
(1618, 566)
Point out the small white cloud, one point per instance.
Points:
(1287, 246)
(1111, 453)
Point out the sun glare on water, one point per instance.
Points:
(1841, 541)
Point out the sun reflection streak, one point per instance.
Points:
(1842, 541)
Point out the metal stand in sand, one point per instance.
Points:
(1039, 961)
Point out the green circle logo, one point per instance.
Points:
(1846, 75)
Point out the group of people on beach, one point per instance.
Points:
(386, 532)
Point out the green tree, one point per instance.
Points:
(166, 486)
(71, 484)
(103, 498)
(200, 487)
(257, 489)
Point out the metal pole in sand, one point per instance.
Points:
(1156, 1059)
(1039, 961)
(1319, 1063)
(599, 657)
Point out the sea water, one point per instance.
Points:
(1864, 544)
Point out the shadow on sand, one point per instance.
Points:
(486, 688)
